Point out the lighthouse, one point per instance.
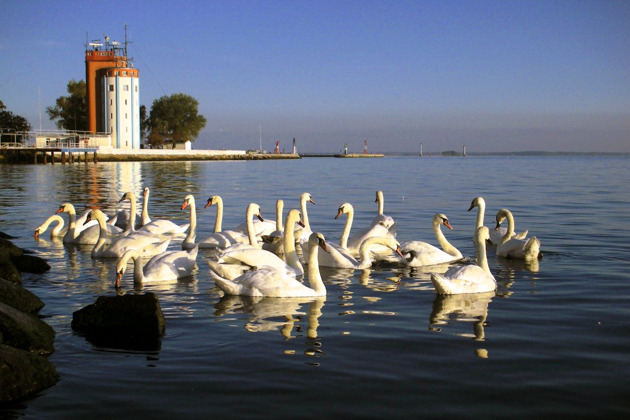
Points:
(113, 93)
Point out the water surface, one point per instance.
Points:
(553, 339)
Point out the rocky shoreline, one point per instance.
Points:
(25, 340)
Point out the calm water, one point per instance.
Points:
(554, 339)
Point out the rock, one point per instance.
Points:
(19, 298)
(23, 373)
(25, 331)
(30, 264)
(131, 322)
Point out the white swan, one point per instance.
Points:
(210, 242)
(148, 244)
(273, 282)
(338, 259)
(468, 278)
(420, 254)
(220, 238)
(80, 232)
(511, 247)
(154, 227)
(254, 257)
(353, 243)
(165, 267)
(495, 235)
(56, 232)
(302, 234)
(274, 242)
(382, 218)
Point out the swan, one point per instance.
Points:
(165, 267)
(338, 259)
(353, 243)
(381, 218)
(80, 232)
(302, 234)
(57, 232)
(274, 242)
(210, 242)
(222, 238)
(252, 256)
(259, 227)
(419, 253)
(273, 282)
(495, 235)
(148, 244)
(511, 247)
(468, 278)
(154, 227)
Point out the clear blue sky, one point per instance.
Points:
(494, 75)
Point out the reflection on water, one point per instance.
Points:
(462, 308)
(274, 314)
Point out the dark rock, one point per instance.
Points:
(129, 321)
(30, 264)
(9, 272)
(19, 298)
(23, 373)
(25, 331)
(6, 236)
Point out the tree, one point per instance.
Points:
(71, 111)
(144, 123)
(175, 118)
(12, 125)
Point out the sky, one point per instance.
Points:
(496, 76)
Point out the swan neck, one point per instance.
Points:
(138, 272)
(218, 221)
(307, 225)
(444, 243)
(290, 253)
(364, 251)
(145, 209)
(381, 202)
(251, 232)
(481, 211)
(314, 276)
(482, 259)
(192, 229)
(343, 242)
(131, 226)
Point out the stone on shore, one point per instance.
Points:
(19, 298)
(25, 331)
(23, 373)
(132, 322)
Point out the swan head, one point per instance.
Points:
(65, 207)
(145, 192)
(379, 196)
(477, 202)
(126, 196)
(212, 200)
(482, 235)
(294, 216)
(441, 219)
(317, 239)
(94, 214)
(254, 210)
(344, 208)
(500, 217)
(189, 200)
(307, 197)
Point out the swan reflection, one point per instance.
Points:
(471, 307)
(274, 314)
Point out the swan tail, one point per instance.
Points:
(442, 284)
(532, 247)
(227, 286)
(522, 235)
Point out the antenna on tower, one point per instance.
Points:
(126, 40)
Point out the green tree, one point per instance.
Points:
(144, 123)
(175, 118)
(70, 112)
(12, 125)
